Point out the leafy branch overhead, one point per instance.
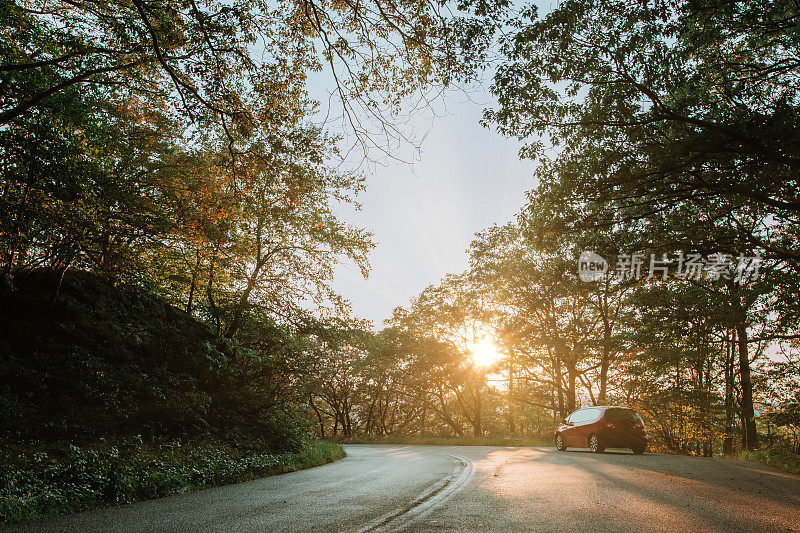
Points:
(235, 67)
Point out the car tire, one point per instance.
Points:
(640, 450)
(560, 443)
(594, 444)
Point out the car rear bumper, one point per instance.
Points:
(624, 440)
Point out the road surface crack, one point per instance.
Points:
(434, 496)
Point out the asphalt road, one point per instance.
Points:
(461, 488)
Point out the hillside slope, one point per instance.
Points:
(106, 361)
(110, 394)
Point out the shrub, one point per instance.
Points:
(780, 456)
(64, 478)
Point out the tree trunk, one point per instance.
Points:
(605, 356)
(727, 443)
(748, 413)
(193, 286)
(210, 295)
(572, 376)
(478, 426)
(559, 379)
(512, 425)
(708, 446)
(319, 416)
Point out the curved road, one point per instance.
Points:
(466, 488)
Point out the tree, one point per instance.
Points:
(665, 102)
(240, 67)
(451, 314)
(663, 112)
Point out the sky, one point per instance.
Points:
(424, 215)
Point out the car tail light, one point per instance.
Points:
(610, 425)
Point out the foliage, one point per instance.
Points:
(107, 361)
(673, 126)
(174, 143)
(237, 70)
(663, 104)
(780, 457)
(45, 481)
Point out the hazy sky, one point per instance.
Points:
(424, 216)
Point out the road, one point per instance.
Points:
(466, 488)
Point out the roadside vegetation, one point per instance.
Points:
(114, 396)
(780, 457)
(39, 482)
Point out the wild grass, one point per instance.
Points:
(65, 478)
(779, 457)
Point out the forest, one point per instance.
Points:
(170, 228)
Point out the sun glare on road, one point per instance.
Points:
(484, 353)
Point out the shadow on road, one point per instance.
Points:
(617, 490)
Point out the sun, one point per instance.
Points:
(484, 352)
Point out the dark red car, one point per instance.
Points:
(601, 427)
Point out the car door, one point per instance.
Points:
(590, 423)
(570, 432)
(577, 437)
(584, 423)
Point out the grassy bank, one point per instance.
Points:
(489, 440)
(64, 478)
(778, 457)
(110, 394)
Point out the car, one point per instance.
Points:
(600, 427)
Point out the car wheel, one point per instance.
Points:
(594, 444)
(560, 443)
(640, 450)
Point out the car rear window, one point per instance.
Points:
(617, 413)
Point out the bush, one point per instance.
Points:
(66, 478)
(780, 456)
(116, 361)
